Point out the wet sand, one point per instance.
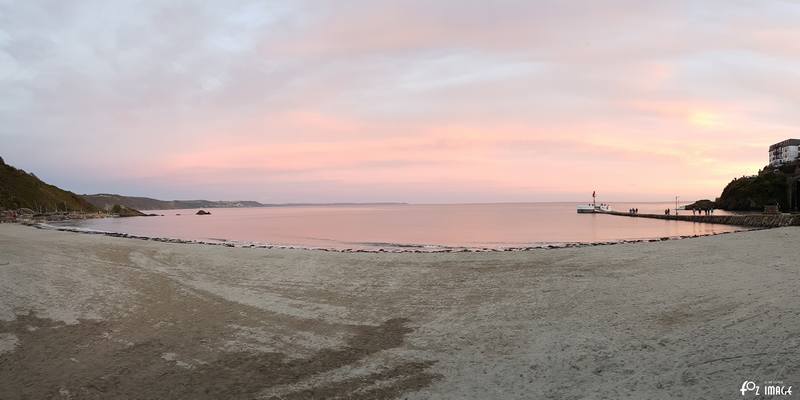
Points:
(97, 317)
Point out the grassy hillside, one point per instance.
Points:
(20, 189)
(106, 201)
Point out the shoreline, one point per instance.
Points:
(388, 249)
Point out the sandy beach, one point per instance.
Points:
(96, 317)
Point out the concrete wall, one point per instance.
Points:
(750, 220)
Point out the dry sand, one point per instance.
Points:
(84, 316)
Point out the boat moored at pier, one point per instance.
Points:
(593, 207)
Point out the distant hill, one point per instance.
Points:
(20, 189)
(106, 201)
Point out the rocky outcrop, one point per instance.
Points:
(702, 205)
(203, 212)
(122, 211)
(772, 186)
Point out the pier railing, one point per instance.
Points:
(749, 220)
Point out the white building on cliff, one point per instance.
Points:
(784, 152)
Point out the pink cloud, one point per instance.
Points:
(522, 100)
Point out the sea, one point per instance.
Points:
(407, 227)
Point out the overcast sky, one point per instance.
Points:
(419, 101)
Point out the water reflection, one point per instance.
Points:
(370, 226)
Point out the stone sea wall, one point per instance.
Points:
(748, 220)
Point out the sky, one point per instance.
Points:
(415, 101)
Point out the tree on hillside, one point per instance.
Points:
(752, 193)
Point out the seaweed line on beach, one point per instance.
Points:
(402, 249)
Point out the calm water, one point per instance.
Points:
(404, 226)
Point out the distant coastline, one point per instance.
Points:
(108, 200)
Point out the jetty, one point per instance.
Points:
(748, 220)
